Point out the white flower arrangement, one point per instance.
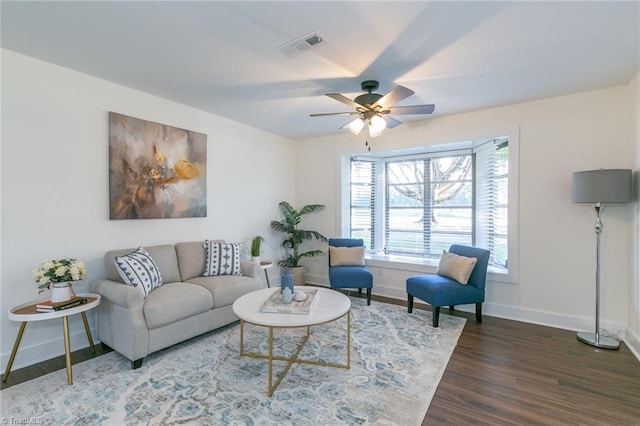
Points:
(58, 271)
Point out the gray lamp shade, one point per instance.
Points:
(602, 186)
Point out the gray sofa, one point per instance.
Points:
(186, 305)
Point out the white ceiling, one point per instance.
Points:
(221, 57)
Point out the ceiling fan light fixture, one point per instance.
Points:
(356, 125)
(376, 126)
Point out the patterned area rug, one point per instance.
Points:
(397, 360)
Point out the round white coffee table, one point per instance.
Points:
(27, 312)
(329, 306)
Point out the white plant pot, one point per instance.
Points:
(61, 292)
(255, 259)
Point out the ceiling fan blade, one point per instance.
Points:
(322, 114)
(391, 122)
(411, 109)
(341, 98)
(393, 97)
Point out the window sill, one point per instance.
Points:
(426, 266)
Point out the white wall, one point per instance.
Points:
(557, 136)
(55, 185)
(634, 291)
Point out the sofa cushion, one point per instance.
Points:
(164, 256)
(222, 259)
(227, 288)
(175, 301)
(139, 270)
(191, 258)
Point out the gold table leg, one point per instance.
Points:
(14, 351)
(266, 275)
(271, 388)
(67, 349)
(88, 331)
(349, 338)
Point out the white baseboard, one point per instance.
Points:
(633, 343)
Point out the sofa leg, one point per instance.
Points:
(137, 363)
(436, 315)
(368, 296)
(479, 312)
(410, 303)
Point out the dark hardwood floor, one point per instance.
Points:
(506, 372)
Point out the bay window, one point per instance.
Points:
(415, 204)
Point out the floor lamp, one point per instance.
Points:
(600, 187)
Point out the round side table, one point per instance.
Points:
(27, 312)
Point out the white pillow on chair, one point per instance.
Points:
(456, 267)
(346, 256)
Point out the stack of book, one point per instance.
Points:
(50, 306)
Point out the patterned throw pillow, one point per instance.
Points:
(139, 270)
(222, 258)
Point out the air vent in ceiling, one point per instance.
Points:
(301, 44)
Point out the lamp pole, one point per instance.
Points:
(594, 339)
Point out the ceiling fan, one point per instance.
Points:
(374, 108)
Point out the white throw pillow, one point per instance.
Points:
(222, 258)
(139, 270)
(456, 267)
(346, 256)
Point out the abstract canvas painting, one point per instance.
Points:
(155, 171)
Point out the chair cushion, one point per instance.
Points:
(457, 267)
(175, 301)
(350, 277)
(346, 256)
(222, 259)
(139, 270)
(437, 290)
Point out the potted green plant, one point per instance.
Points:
(255, 248)
(295, 237)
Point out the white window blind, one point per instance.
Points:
(363, 175)
(492, 199)
(428, 204)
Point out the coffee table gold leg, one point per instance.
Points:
(241, 337)
(269, 388)
(349, 338)
(266, 275)
(14, 351)
(67, 349)
(88, 331)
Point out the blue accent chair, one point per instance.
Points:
(349, 276)
(439, 291)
